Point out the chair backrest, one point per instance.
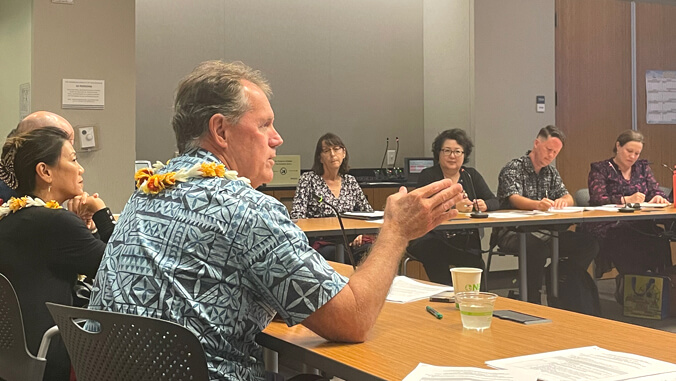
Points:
(16, 363)
(129, 347)
(666, 191)
(582, 197)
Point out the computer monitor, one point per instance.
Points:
(414, 165)
(140, 164)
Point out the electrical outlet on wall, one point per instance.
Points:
(390, 156)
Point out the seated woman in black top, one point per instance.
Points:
(45, 247)
(440, 250)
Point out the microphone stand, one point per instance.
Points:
(396, 153)
(476, 213)
(348, 248)
(626, 208)
(382, 163)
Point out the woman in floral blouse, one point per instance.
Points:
(329, 180)
(636, 246)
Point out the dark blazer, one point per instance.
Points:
(42, 252)
(6, 192)
(434, 173)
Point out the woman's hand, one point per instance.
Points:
(85, 206)
(659, 200)
(357, 241)
(481, 204)
(465, 205)
(637, 197)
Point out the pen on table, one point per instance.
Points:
(434, 312)
(546, 194)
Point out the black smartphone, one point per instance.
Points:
(519, 317)
(444, 297)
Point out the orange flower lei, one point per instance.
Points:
(150, 183)
(15, 204)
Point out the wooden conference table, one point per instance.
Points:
(329, 226)
(405, 335)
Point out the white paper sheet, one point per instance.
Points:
(653, 205)
(380, 221)
(568, 209)
(607, 208)
(426, 372)
(405, 289)
(586, 363)
(374, 214)
(518, 214)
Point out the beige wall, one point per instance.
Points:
(351, 67)
(15, 59)
(514, 62)
(482, 62)
(449, 67)
(92, 39)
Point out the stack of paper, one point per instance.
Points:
(589, 363)
(426, 372)
(404, 290)
(364, 215)
(518, 214)
(577, 364)
(568, 209)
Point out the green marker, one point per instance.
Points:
(434, 312)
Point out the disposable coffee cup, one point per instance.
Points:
(466, 279)
(476, 309)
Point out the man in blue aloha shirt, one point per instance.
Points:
(211, 253)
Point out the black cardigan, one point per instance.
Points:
(434, 173)
(42, 251)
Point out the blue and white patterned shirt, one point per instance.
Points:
(217, 257)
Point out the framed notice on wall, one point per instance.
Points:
(660, 89)
(83, 94)
(286, 170)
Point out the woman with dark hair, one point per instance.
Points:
(329, 180)
(439, 250)
(633, 246)
(45, 247)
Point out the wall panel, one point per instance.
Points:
(655, 50)
(593, 82)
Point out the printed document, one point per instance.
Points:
(518, 214)
(568, 209)
(405, 289)
(589, 363)
(426, 372)
(364, 215)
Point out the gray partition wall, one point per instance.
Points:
(352, 67)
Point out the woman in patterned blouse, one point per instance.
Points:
(329, 180)
(634, 247)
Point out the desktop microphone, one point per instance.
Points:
(626, 208)
(476, 213)
(387, 146)
(396, 153)
(348, 248)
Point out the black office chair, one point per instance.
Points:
(129, 347)
(494, 249)
(16, 362)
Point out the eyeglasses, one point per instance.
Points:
(335, 149)
(449, 152)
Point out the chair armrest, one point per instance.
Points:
(46, 339)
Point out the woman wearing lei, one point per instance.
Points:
(45, 247)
